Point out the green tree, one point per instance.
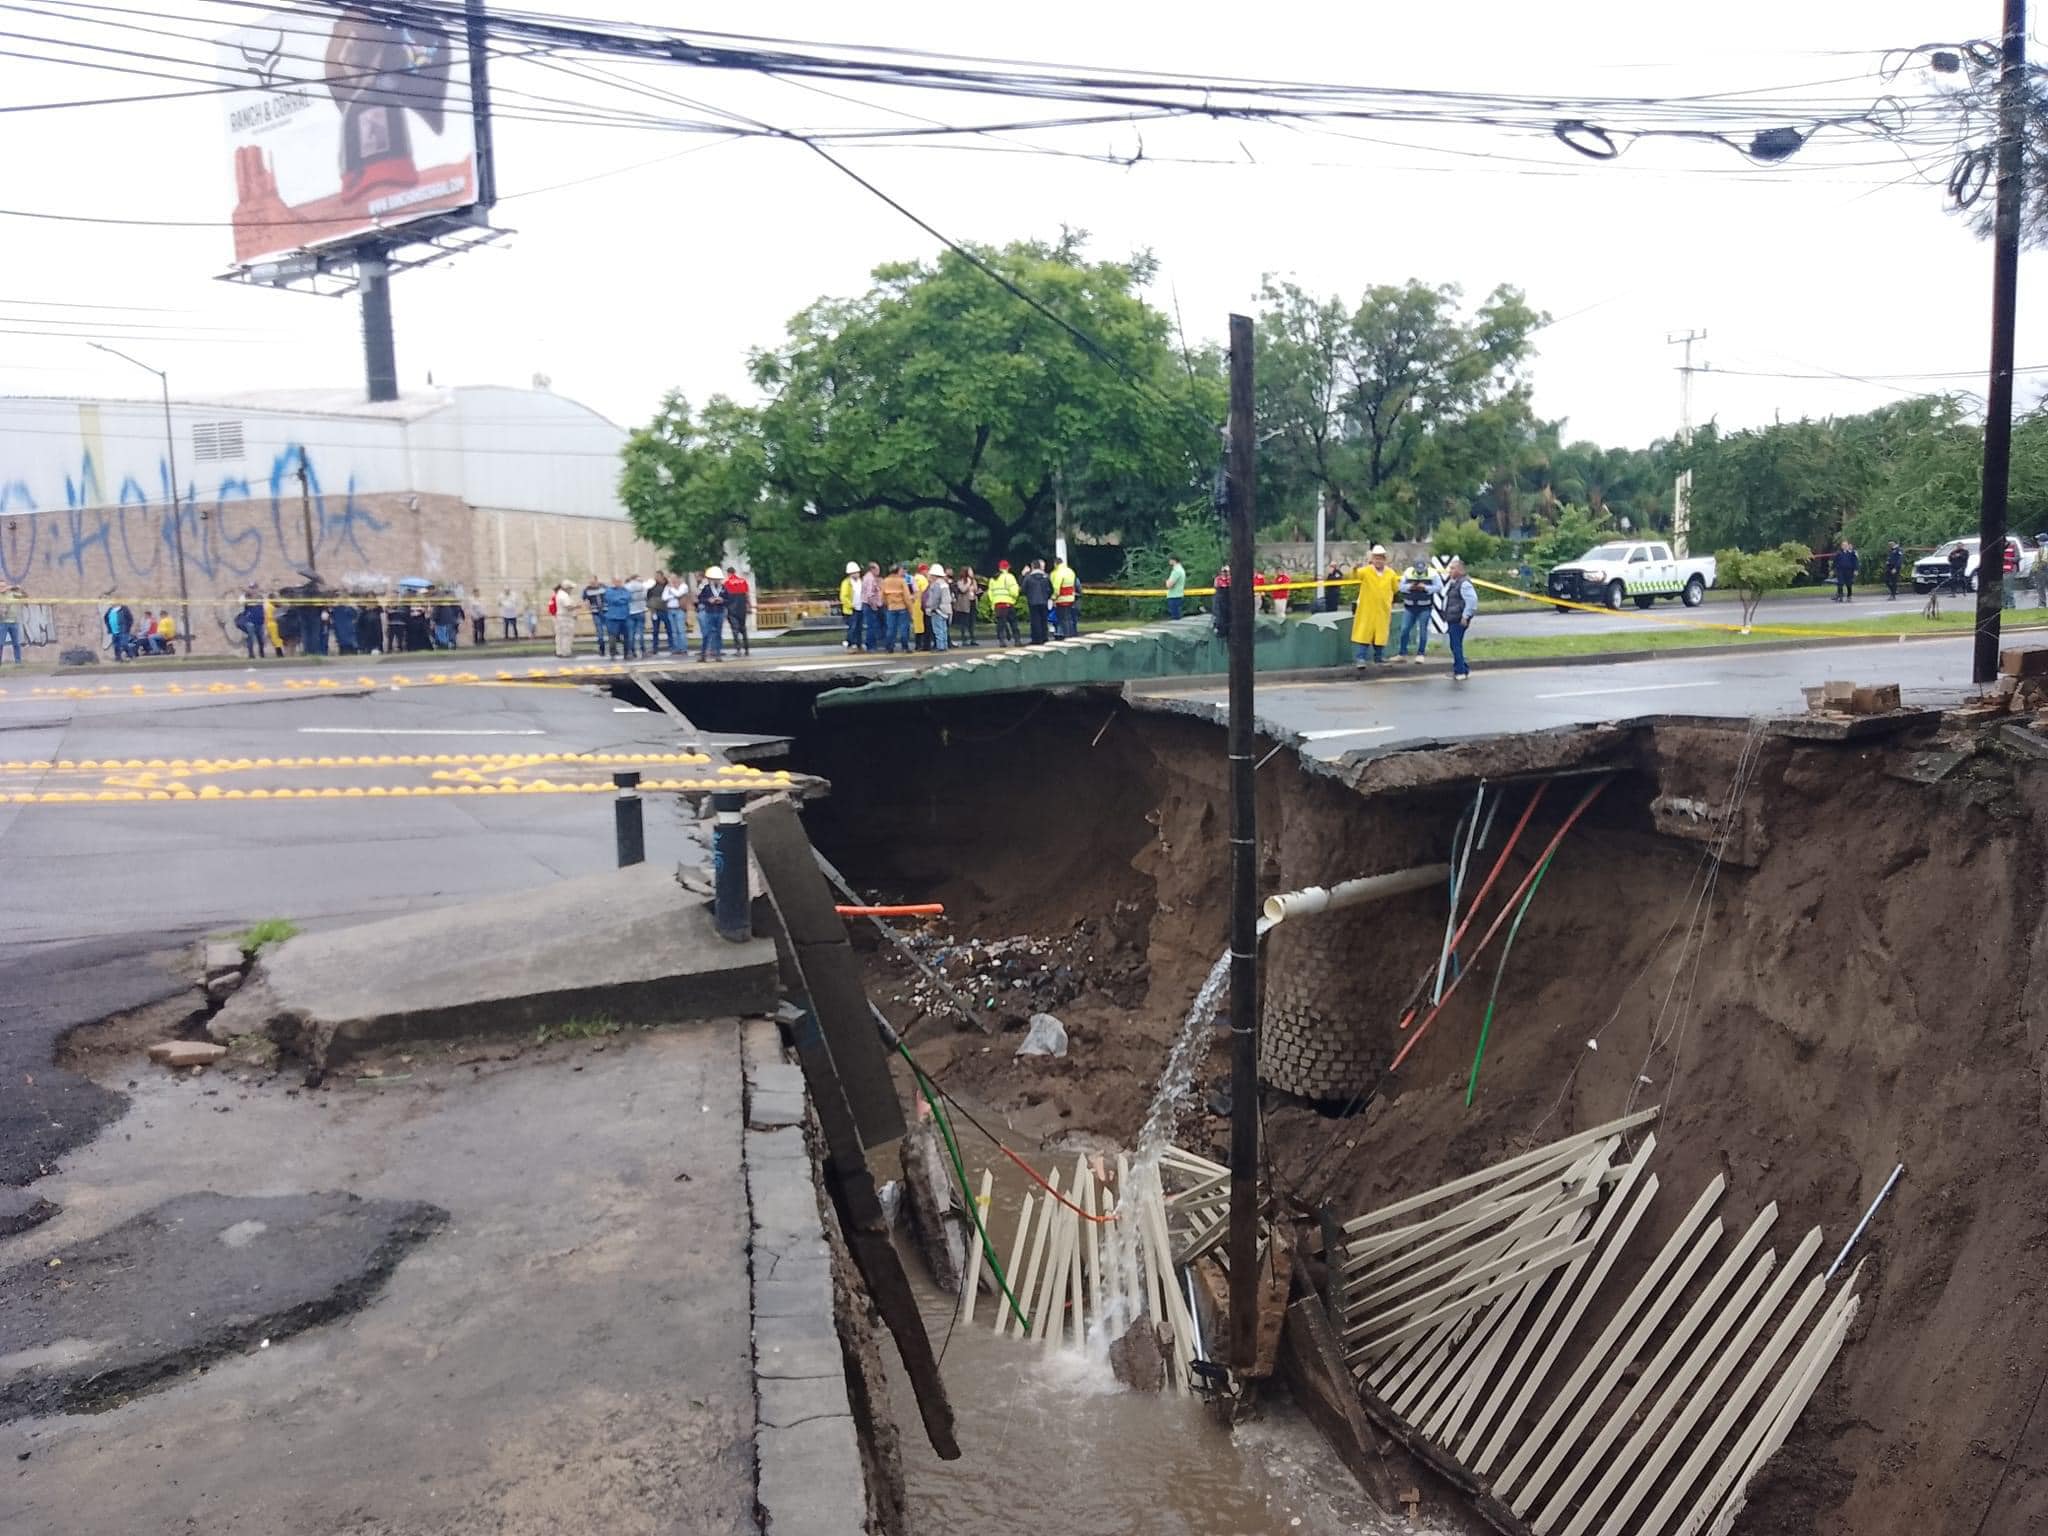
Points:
(1570, 534)
(937, 414)
(1397, 410)
(1463, 537)
(1753, 575)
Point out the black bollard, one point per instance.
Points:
(626, 818)
(731, 909)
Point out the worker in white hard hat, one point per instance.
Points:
(711, 615)
(937, 598)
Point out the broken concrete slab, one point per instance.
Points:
(186, 1282)
(2018, 662)
(224, 986)
(627, 945)
(217, 956)
(21, 1209)
(811, 1478)
(178, 1054)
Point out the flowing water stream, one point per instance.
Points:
(1053, 1446)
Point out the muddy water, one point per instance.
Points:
(1053, 1446)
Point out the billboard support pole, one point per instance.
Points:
(380, 351)
(480, 102)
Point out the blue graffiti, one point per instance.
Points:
(17, 534)
(93, 537)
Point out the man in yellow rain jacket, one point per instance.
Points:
(1002, 599)
(1373, 619)
(919, 580)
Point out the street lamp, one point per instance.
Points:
(177, 520)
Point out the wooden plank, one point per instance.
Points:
(1432, 1411)
(1608, 1247)
(1005, 1315)
(1705, 1305)
(1487, 1175)
(1312, 1365)
(1370, 1266)
(1737, 1312)
(973, 1286)
(1532, 1445)
(1486, 1357)
(1051, 1312)
(1522, 1496)
(1541, 1218)
(1096, 1299)
(1494, 1261)
(1697, 1402)
(1734, 1467)
(1802, 1392)
(830, 972)
(1531, 1184)
(1029, 1294)
(1538, 1265)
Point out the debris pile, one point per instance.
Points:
(1011, 980)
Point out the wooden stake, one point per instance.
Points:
(981, 1205)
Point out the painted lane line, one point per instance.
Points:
(1355, 730)
(1593, 693)
(365, 730)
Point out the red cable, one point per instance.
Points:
(1473, 911)
(1040, 1182)
(1430, 1018)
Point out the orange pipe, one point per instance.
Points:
(925, 909)
(1431, 1017)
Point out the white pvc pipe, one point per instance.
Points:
(1350, 893)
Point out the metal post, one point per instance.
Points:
(476, 28)
(626, 818)
(306, 514)
(177, 517)
(171, 466)
(2005, 276)
(1681, 490)
(731, 908)
(1244, 896)
(380, 351)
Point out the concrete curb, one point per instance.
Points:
(809, 1476)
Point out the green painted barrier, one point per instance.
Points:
(1183, 648)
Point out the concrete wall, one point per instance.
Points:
(79, 559)
(482, 489)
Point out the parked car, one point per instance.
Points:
(1931, 571)
(1641, 569)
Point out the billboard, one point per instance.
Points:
(351, 124)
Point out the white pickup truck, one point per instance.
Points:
(1644, 570)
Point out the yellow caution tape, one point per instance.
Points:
(186, 794)
(380, 760)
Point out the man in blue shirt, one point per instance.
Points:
(618, 619)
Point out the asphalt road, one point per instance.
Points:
(1393, 706)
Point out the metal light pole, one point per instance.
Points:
(1244, 898)
(2005, 276)
(177, 517)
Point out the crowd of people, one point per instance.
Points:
(920, 606)
(634, 616)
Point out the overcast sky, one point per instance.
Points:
(664, 274)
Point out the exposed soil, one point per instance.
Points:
(1864, 986)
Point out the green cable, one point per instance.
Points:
(966, 1190)
(1472, 1083)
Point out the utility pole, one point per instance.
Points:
(177, 516)
(2005, 276)
(306, 513)
(1244, 891)
(1681, 492)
